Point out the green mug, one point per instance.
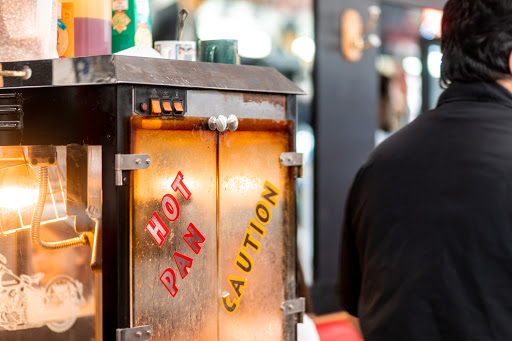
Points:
(220, 51)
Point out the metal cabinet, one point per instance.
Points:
(193, 223)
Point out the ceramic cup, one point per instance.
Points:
(220, 51)
(177, 49)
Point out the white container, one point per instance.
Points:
(177, 49)
(28, 30)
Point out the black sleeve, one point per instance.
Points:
(349, 275)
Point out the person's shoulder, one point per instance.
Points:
(398, 149)
(403, 141)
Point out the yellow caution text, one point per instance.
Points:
(251, 244)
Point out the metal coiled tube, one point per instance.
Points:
(81, 240)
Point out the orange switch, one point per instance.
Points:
(178, 108)
(155, 107)
(167, 106)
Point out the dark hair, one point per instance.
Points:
(476, 41)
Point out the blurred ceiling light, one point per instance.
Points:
(431, 23)
(254, 44)
(435, 58)
(412, 65)
(304, 48)
(385, 65)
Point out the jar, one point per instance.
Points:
(93, 32)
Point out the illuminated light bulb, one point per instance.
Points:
(18, 187)
(17, 197)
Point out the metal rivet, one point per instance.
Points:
(290, 306)
(148, 161)
(125, 179)
(139, 334)
(148, 332)
(138, 161)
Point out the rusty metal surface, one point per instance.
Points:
(112, 69)
(249, 161)
(276, 100)
(202, 75)
(190, 312)
(204, 103)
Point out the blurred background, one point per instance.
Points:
(350, 106)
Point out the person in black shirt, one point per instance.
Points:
(426, 249)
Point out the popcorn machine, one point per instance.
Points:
(147, 199)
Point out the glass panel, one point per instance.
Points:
(44, 295)
(249, 170)
(178, 305)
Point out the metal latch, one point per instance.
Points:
(129, 162)
(296, 306)
(292, 159)
(134, 334)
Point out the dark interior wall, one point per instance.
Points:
(345, 108)
(345, 121)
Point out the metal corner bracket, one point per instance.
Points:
(124, 162)
(143, 333)
(292, 159)
(296, 306)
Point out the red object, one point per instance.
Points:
(337, 331)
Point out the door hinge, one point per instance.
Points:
(134, 334)
(296, 306)
(125, 162)
(292, 159)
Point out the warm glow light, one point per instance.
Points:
(17, 197)
(24, 227)
(431, 23)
